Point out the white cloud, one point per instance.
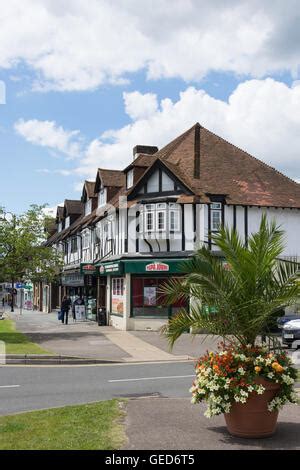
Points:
(49, 134)
(261, 116)
(139, 106)
(79, 45)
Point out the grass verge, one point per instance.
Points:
(81, 427)
(16, 342)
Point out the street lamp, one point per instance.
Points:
(10, 218)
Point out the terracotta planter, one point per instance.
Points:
(253, 419)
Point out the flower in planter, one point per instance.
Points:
(238, 304)
(221, 381)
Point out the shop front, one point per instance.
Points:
(81, 286)
(134, 297)
(89, 273)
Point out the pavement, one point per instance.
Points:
(176, 424)
(88, 340)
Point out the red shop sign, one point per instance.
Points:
(157, 267)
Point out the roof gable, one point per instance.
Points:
(109, 178)
(157, 180)
(88, 191)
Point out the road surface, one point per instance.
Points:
(25, 388)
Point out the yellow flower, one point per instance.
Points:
(257, 369)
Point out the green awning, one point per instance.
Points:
(145, 266)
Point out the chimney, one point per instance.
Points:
(146, 149)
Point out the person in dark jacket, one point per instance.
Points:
(65, 307)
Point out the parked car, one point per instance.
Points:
(291, 332)
(285, 318)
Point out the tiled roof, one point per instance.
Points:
(112, 178)
(226, 169)
(59, 213)
(73, 207)
(89, 187)
(142, 160)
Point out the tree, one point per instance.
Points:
(235, 299)
(23, 254)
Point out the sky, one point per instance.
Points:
(82, 83)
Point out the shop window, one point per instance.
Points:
(118, 286)
(148, 299)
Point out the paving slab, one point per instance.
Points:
(80, 339)
(175, 423)
(192, 346)
(139, 349)
(87, 339)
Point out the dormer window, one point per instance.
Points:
(88, 207)
(67, 222)
(129, 178)
(59, 228)
(102, 197)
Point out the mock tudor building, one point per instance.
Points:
(137, 226)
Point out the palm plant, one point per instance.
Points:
(234, 296)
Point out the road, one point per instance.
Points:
(25, 388)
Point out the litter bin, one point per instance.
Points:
(102, 316)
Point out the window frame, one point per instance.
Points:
(129, 179)
(102, 197)
(216, 209)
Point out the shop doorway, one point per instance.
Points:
(102, 311)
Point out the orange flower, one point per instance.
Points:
(277, 367)
(257, 369)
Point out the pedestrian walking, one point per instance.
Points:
(65, 307)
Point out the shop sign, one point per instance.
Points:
(88, 269)
(72, 280)
(157, 266)
(110, 268)
(168, 266)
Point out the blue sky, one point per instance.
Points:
(236, 74)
